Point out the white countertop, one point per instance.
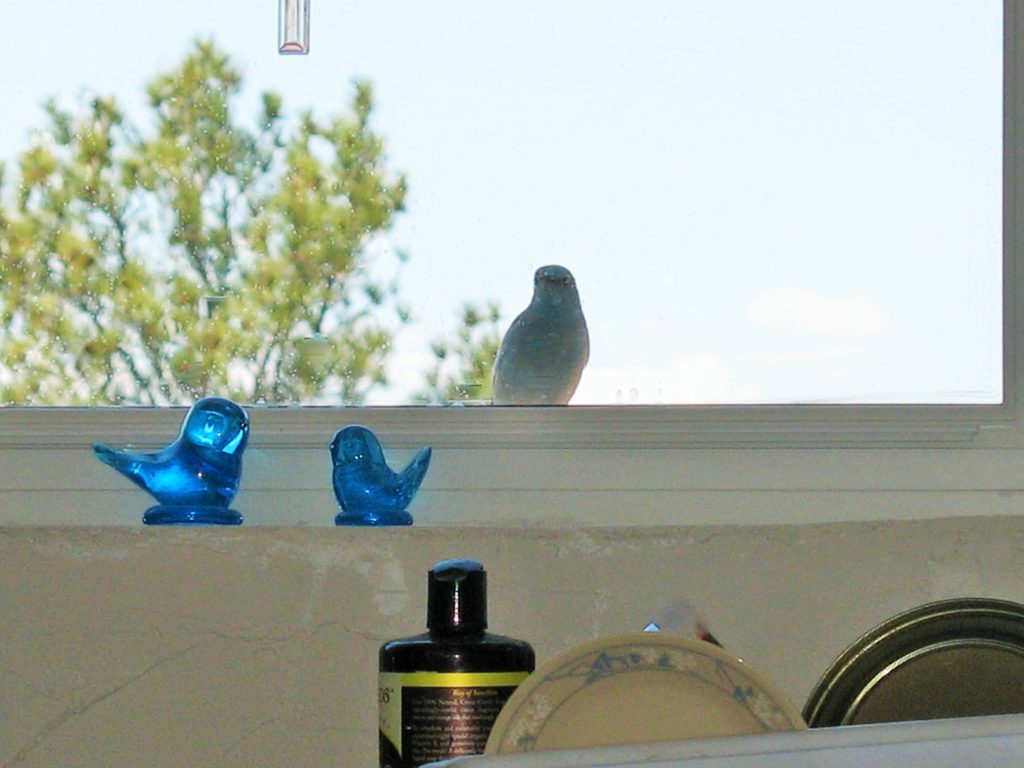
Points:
(992, 742)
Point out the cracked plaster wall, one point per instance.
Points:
(257, 647)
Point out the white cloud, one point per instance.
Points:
(793, 308)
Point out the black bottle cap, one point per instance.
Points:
(457, 597)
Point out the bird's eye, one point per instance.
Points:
(566, 281)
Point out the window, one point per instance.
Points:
(796, 202)
(645, 444)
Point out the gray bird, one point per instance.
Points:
(544, 351)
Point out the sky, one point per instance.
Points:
(761, 202)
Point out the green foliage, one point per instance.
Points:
(200, 257)
(463, 368)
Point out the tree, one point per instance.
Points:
(200, 257)
(463, 368)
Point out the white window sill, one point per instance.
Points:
(551, 468)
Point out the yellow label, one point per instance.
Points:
(389, 699)
(429, 716)
(459, 679)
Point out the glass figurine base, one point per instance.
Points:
(374, 518)
(190, 514)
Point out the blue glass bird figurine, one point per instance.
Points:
(543, 353)
(368, 490)
(195, 477)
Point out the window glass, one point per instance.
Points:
(795, 201)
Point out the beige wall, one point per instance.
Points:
(257, 646)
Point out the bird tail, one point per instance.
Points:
(414, 473)
(123, 462)
(106, 454)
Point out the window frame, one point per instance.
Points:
(669, 426)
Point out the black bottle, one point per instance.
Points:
(441, 691)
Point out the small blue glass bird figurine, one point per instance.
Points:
(368, 490)
(543, 353)
(195, 477)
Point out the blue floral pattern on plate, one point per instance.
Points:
(634, 688)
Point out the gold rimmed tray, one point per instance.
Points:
(951, 658)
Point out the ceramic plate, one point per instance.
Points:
(637, 688)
